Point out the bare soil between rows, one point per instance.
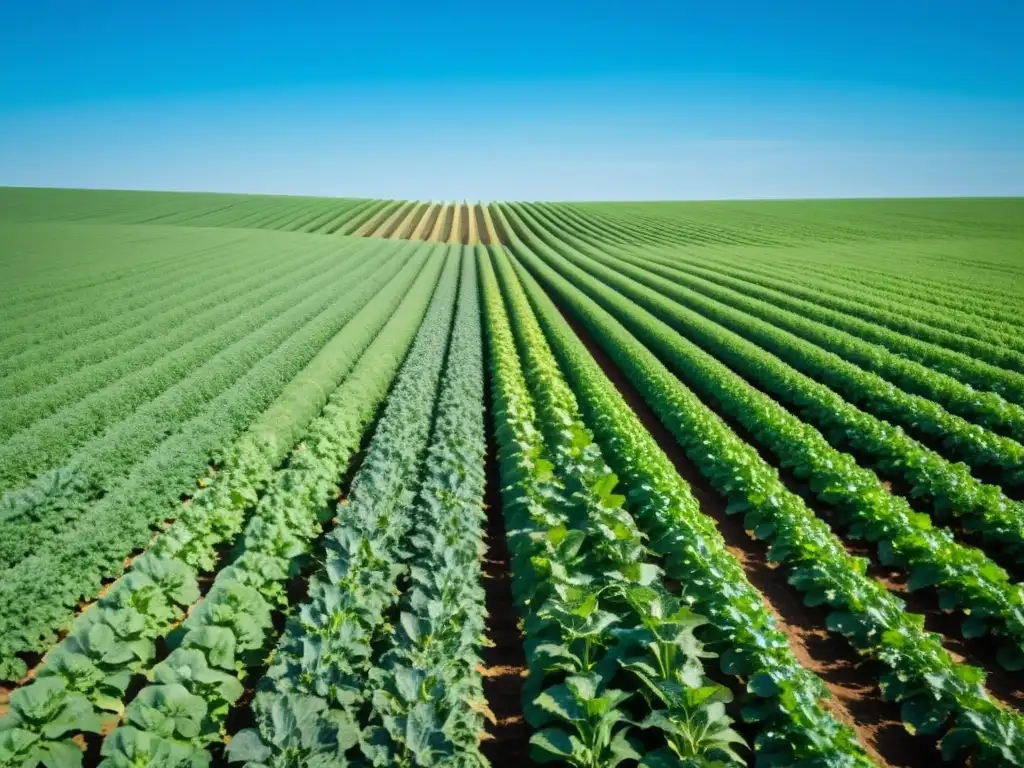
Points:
(506, 743)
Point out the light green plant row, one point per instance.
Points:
(164, 391)
(903, 315)
(48, 370)
(115, 641)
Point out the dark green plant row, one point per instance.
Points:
(936, 694)
(781, 697)
(339, 681)
(610, 653)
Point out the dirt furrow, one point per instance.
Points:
(506, 741)
(410, 222)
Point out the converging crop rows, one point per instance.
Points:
(345, 482)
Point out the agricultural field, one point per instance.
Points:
(343, 482)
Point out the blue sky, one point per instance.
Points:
(531, 100)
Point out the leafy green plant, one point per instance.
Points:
(43, 718)
(595, 730)
(859, 608)
(294, 730)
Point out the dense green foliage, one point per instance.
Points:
(246, 443)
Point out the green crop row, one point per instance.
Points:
(958, 333)
(965, 577)
(955, 330)
(919, 674)
(141, 406)
(320, 678)
(41, 591)
(781, 696)
(711, 287)
(55, 379)
(610, 653)
(60, 322)
(826, 354)
(192, 689)
(951, 488)
(47, 364)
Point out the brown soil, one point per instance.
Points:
(506, 741)
(852, 681)
(374, 223)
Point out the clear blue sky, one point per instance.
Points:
(525, 100)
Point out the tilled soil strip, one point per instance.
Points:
(507, 740)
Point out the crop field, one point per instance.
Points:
(344, 482)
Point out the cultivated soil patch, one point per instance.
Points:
(506, 742)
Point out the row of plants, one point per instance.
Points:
(160, 393)
(980, 447)
(936, 695)
(782, 698)
(865, 285)
(999, 318)
(936, 327)
(115, 640)
(779, 695)
(442, 620)
(615, 669)
(60, 380)
(232, 627)
(139, 407)
(172, 720)
(52, 364)
(943, 408)
(950, 488)
(966, 579)
(988, 302)
(40, 593)
(986, 408)
(317, 699)
(87, 306)
(929, 323)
